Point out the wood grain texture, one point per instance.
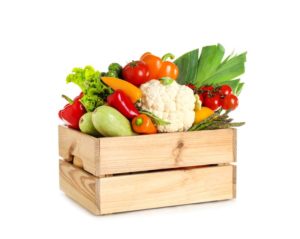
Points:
(166, 151)
(167, 188)
(73, 143)
(116, 155)
(80, 186)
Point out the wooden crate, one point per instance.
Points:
(121, 174)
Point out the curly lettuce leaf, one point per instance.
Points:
(94, 91)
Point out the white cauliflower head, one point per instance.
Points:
(173, 103)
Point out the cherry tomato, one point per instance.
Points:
(201, 97)
(230, 102)
(206, 90)
(154, 63)
(136, 72)
(225, 90)
(212, 101)
(191, 86)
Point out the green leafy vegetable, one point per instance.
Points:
(187, 65)
(95, 92)
(210, 60)
(211, 69)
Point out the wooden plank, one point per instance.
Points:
(74, 143)
(80, 186)
(167, 188)
(166, 151)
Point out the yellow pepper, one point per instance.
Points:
(202, 114)
(133, 92)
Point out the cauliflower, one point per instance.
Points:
(171, 102)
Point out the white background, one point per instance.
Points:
(41, 41)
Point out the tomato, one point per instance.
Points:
(154, 63)
(225, 90)
(191, 86)
(136, 72)
(212, 101)
(206, 90)
(230, 102)
(202, 97)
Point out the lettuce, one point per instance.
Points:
(94, 91)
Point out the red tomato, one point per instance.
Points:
(206, 90)
(191, 86)
(230, 102)
(212, 101)
(225, 90)
(201, 97)
(136, 72)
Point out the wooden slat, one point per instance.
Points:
(166, 151)
(167, 188)
(80, 186)
(74, 143)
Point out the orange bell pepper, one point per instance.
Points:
(142, 124)
(160, 67)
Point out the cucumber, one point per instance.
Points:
(111, 123)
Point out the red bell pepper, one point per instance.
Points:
(120, 101)
(72, 112)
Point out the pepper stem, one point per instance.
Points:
(67, 99)
(139, 122)
(166, 56)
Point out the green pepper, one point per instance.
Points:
(112, 74)
(115, 67)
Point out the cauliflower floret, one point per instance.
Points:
(173, 103)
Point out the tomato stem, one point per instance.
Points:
(166, 56)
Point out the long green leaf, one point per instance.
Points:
(239, 88)
(228, 70)
(187, 65)
(210, 59)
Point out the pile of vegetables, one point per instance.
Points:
(157, 95)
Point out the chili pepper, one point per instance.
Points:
(133, 92)
(142, 124)
(72, 112)
(160, 67)
(120, 101)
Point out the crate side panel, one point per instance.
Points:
(163, 151)
(168, 188)
(79, 186)
(86, 148)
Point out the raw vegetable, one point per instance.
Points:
(133, 92)
(212, 101)
(172, 103)
(110, 122)
(136, 72)
(216, 121)
(120, 101)
(211, 69)
(160, 67)
(86, 125)
(72, 112)
(154, 64)
(230, 102)
(168, 69)
(202, 114)
(115, 67)
(187, 65)
(142, 124)
(94, 91)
